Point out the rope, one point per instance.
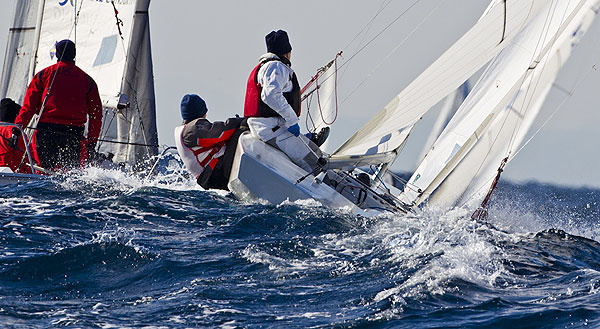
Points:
(366, 29)
(99, 140)
(481, 212)
(381, 32)
(119, 21)
(413, 31)
(558, 108)
(315, 79)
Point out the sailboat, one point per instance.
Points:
(113, 47)
(521, 45)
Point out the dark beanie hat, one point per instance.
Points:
(9, 110)
(278, 42)
(65, 51)
(192, 107)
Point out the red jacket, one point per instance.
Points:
(73, 98)
(10, 157)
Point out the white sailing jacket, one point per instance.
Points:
(275, 79)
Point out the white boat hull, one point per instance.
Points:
(7, 177)
(261, 172)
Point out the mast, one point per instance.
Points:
(36, 40)
(138, 86)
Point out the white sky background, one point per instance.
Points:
(210, 47)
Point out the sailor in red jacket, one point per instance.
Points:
(69, 97)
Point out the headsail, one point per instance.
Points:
(136, 125)
(494, 119)
(113, 47)
(389, 129)
(451, 105)
(321, 101)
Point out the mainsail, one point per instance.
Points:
(388, 130)
(21, 49)
(113, 47)
(496, 116)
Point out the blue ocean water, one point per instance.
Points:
(107, 250)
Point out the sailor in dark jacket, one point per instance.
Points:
(202, 144)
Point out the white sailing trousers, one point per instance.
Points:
(301, 150)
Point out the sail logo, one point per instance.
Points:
(53, 51)
(65, 2)
(577, 35)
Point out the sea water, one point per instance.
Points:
(104, 249)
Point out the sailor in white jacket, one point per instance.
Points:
(273, 103)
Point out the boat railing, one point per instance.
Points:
(24, 137)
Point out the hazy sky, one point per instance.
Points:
(210, 47)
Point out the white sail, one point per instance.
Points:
(451, 105)
(113, 47)
(496, 116)
(20, 50)
(389, 129)
(136, 125)
(321, 101)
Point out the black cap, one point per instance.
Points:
(9, 110)
(278, 42)
(65, 51)
(192, 107)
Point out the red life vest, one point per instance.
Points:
(254, 105)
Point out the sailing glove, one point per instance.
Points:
(295, 130)
(13, 141)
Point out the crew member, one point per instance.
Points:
(12, 146)
(66, 97)
(272, 103)
(202, 144)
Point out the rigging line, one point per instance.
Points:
(370, 23)
(139, 113)
(392, 52)
(525, 107)
(380, 33)
(329, 99)
(308, 115)
(107, 127)
(366, 29)
(128, 143)
(559, 107)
